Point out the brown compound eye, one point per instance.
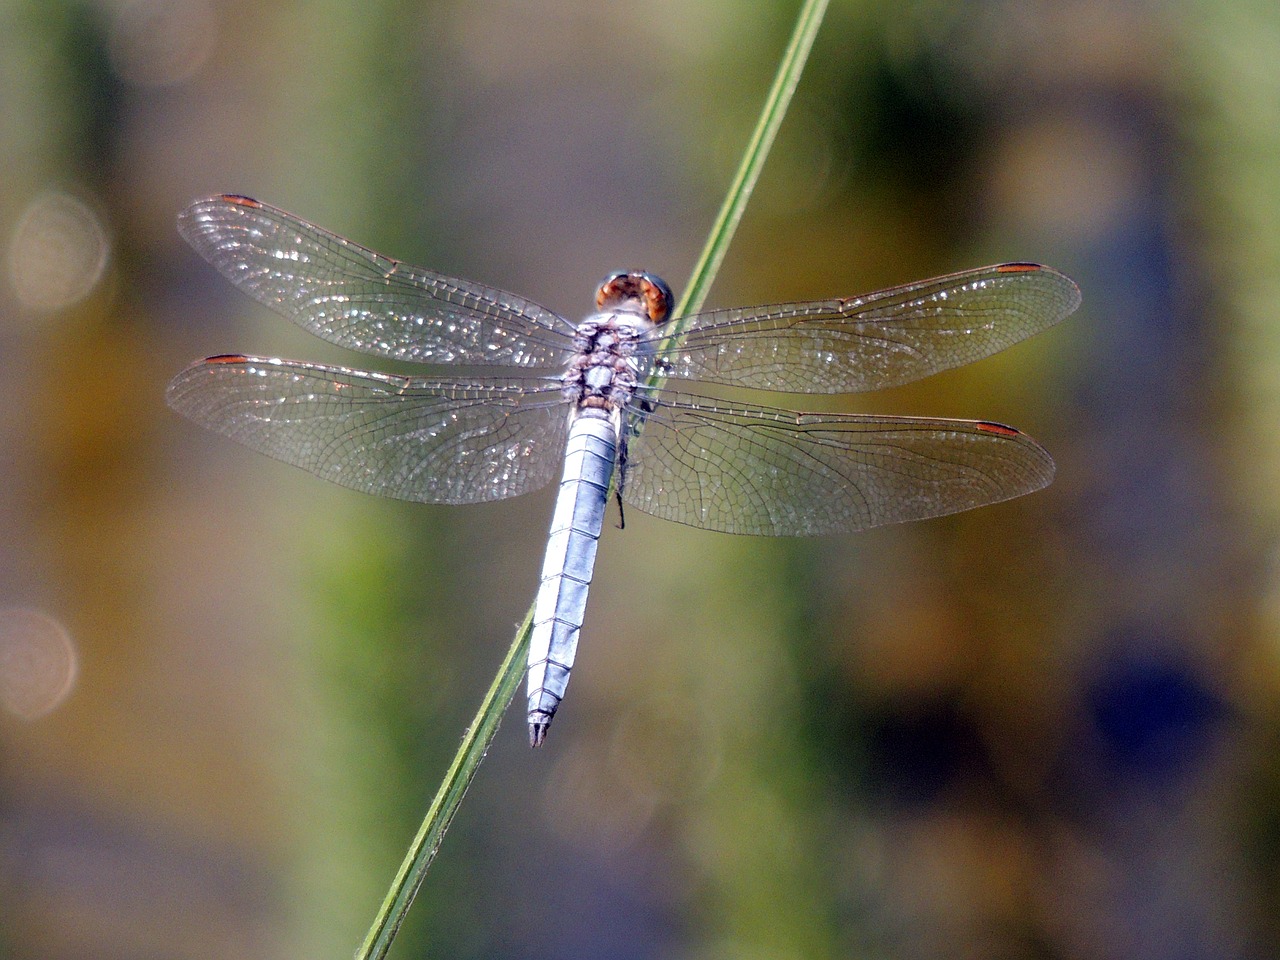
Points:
(657, 297)
(634, 290)
(610, 289)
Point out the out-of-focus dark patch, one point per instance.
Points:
(1154, 714)
(904, 126)
(920, 748)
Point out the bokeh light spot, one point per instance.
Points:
(57, 252)
(157, 43)
(37, 662)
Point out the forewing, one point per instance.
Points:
(351, 296)
(757, 470)
(879, 340)
(410, 438)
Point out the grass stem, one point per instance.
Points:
(475, 743)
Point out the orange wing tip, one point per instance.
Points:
(226, 358)
(240, 200)
(1018, 268)
(997, 428)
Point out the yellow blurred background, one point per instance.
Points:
(1042, 729)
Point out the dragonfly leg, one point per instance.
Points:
(621, 477)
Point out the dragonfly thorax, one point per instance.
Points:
(609, 351)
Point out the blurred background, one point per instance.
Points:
(1045, 729)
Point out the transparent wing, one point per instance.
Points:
(410, 438)
(879, 340)
(758, 470)
(356, 298)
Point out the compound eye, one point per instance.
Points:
(638, 292)
(612, 288)
(658, 300)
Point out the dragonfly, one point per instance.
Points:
(594, 401)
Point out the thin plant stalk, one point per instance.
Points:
(476, 741)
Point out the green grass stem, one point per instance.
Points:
(475, 743)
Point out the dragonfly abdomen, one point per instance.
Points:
(566, 572)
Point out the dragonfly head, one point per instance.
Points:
(637, 292)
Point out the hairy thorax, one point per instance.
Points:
(607, 362)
